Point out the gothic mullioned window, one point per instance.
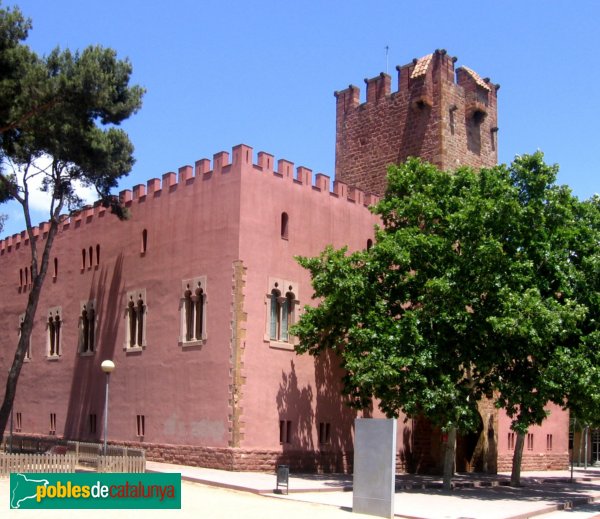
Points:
(136, 314)
(282, 303)
(193, 311)
(87, 327)
(54, 328)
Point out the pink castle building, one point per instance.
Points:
(193, 296)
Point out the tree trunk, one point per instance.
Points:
(449, 455)
(515, 475)
(32, 303)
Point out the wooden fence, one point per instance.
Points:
(121, 464)
(66, 456)
(52, 463)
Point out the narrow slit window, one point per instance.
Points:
(530, 441)
(91, 258)
(548, 442)
(83, 259)
(284, 226)
(97, 254)
(144, 241)
(93, 423)
(55, 273)
(21, 277)
(52, 430)
(369, 243)
(141, 425)
(18, 422)
(511, 441)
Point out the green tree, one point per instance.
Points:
(59, 125)
(408, 316)
(468, 289)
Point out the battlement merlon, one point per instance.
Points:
(187, 175)
(415, 75)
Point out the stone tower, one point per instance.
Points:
(446, 121)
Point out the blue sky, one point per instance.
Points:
(263, 73)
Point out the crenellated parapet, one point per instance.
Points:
(239, 162)
(445, 116)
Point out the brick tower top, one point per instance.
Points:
(446, 122)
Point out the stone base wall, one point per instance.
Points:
(227, 458)
(548, 461)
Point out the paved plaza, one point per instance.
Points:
(208, 493)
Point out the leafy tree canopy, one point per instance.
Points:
(478, 284)
(58, 124)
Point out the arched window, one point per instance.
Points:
(136, 312)
(284, 226)
(87, 328)
(193, 323)
(281, 310)
(54, 325)
(275, 314)
(144, 241)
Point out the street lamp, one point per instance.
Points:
(108, 367)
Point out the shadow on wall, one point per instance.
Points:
(316, 426)
(294, 405)
(332, 406)
(86, 399)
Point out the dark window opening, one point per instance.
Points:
(141, 425)
(284, 226)
(144, 241)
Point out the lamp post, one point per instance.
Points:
(108, 367)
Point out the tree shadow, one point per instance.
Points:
(86, 397)
(294, 405)
(334, 418)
